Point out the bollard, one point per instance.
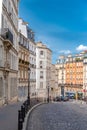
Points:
(25, 111)
(22, 112)
(25, 108)
(20, 120)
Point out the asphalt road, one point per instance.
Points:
(59, 116)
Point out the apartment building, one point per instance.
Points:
(23, 67)
(69, 74)
(32, 59)
(74, 74)
(8, 50)
(53, 88)
(60, 76)
(29, 34)
(43, 70)
(85, 73)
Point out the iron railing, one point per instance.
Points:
(23, 111)
(6, 34)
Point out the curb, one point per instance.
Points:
(28, 114)
(79, 102)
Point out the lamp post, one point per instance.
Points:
(48, 93)
(28, 98)
(57, 70)
(62, 87)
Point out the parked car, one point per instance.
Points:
(57, 99)
(61, 98)
(66, 99)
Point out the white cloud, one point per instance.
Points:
(81, 48)
(65, 51)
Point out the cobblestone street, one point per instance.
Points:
(59, 116)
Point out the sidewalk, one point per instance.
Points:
(79, 102)
(9, 116)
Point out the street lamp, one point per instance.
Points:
(48, 93)
(57, 70)
(28, 98)
(62, 87)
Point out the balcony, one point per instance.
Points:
(7, 65)
(32, 80)
(6, 34)
(32, 52)
(85, 57)
(23, 62)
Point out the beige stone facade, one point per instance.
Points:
(8, 51)
(53, 88)
(23, 67)
(29, 34)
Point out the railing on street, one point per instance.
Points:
(24, 109)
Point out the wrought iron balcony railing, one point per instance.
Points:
(6, 34)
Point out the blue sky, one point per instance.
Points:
(60, 24)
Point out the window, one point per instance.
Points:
(41, 74)
(40, 62)
(41, 66)
(41, 52)
(41, 84)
